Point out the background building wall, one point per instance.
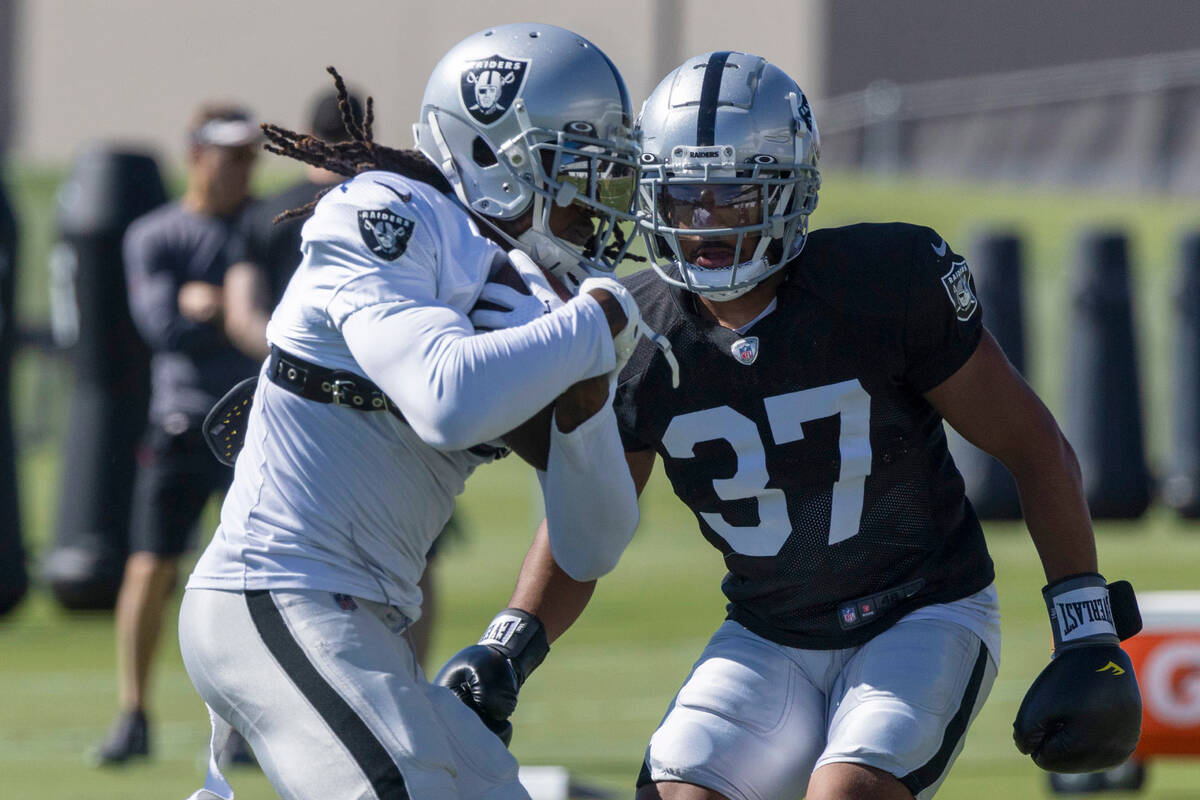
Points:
(133, 70)
(922, 40)
(8, 36)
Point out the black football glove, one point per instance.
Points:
(487, 676)
(1083, 713)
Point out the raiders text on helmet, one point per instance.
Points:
(526, 116)
(729, 173)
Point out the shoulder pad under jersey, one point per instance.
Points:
(378, 215)
(405, 230)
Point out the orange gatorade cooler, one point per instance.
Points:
(1166, 656)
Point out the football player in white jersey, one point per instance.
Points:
(862, 633)
(379, 398)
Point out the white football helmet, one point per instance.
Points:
(529, 116)
(729, 173)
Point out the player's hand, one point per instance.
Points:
(200, 301)
(487, 676)
(609, 292)
(485, 681)
(622, 312)
(1084, 712)
(517, 292)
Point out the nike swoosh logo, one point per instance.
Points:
(404, 197)
(941, 251)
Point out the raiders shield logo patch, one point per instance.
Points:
(962, 294)
(745, 350)
(385, 233)
(489, 86)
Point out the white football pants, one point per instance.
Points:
(327, 692)
(755, 718)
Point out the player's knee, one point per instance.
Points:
(693, 750)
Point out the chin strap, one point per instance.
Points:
(688, 272)
(726, 296)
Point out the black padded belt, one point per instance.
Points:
(225, 426)
(323, 385)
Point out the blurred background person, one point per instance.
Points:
(270, 251)
(14, 579)
(175, 260)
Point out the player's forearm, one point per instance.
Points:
(246, 309)
(163, 328)
(591, 502)
(248, 333)
(544, 589)
(155, 311)
(458, 389)
(1056, 513)
(989, 403)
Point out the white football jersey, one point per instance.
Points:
(335, 499)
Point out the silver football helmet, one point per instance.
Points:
(530, 116)
(729, 173)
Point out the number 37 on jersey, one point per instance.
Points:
(786, 415)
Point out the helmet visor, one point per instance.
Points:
(591, 189)
(599, 180)
(701, 206)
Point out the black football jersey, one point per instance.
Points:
(805, 447)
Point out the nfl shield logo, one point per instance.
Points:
(745, 350)
(384, 232)
(345, 602)
(962, 293)
(489, 86)
(849, 615)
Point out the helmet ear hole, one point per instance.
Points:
(482, 154)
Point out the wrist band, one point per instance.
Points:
(521, 637)
(1080, 610)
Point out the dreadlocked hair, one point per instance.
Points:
(359, 153)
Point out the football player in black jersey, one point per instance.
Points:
(862, 633)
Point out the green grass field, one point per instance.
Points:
(594, 703)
